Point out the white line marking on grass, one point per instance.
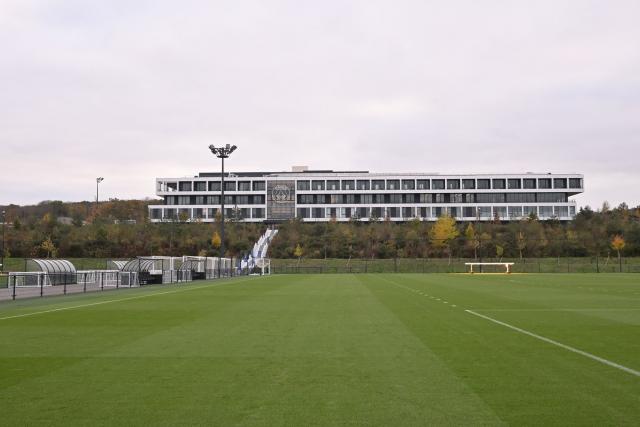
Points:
(558, 309)
(558, 344)
(119, 299)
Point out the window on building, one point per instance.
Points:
(455, 198)
(545, 211)
(303, 213)
(423, 184)
(213, 200)
(469, 198)
(377, 184)
(156, 214)
(200, 186)
(438, 198)
(560, 183)
(393, 184)
(363, 212)
(484, 212)
(500, 212)
(408, 212)
(408, 184)
(544, 183)
(185, 186)
(551, 197)
(484, 184)
(200, 200)
(468, 184)
(425, 198)
(257, 199)
(437, 211)
(211, 212)
(425, 212)
(437, 184)
(244, 186)
(230, 186)
(514, 183)
(453, 184)
(561, 211)
(393, 212)
(259, 186)
(198, 213)
(575, 183)
(214, 186)
(318, 212)
(515, 212)
(490, 198)
(363, 184)
(184, 200)
(303, 185)
(469, 212)
(242, 200)
(317, 185)
(257, 212)
(529, 183)
(529, 210)
(348, 184)
(333, 185)
(521, 197)
(171, 186)
(499, 184)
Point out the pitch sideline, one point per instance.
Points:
(121, 299)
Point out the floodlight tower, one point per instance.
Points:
(222, 153)
(98, 181)
(4, 219)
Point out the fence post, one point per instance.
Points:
(13, 290)
(102, 281)
(41, 286)
(597, 264)
(84, 286)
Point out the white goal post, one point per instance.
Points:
(506, 265)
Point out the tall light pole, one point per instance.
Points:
(98, 181)
(4, 219)
(222, 153)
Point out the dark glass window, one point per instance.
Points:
(552, 197)
(200, 186)
(333, 185)
(244, 186)
(214, 186)
(469, 212)
(317, 185)
(484, 184)
(575, 183)
(363, 184)
(230, 186)
(303, 185)
(257, 212)
(453, 184)
(490, 198)
(185, 186)
(423, 184)
(258, 186)
(468, 184)
(393, 184)
(529, 183)
(499, 184)
(560, 183)
(377, 184)
(348, 184)
(514, 183)
(544, 183)
(408, 184)
(437, 184)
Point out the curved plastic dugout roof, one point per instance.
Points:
(138, 265)
(50, 265)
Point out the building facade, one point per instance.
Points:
(344, 196)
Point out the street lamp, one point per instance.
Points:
(4, 219)
(222, 153)
(98, 181)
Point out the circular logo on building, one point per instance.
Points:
(280, 193)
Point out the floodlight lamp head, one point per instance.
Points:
(99, 180)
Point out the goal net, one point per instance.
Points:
(262, 266)
(489, 267)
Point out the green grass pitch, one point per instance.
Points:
(377, 349)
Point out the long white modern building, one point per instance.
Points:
(323, 195)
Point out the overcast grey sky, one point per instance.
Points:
(134, 90)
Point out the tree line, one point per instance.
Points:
(121, 229)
